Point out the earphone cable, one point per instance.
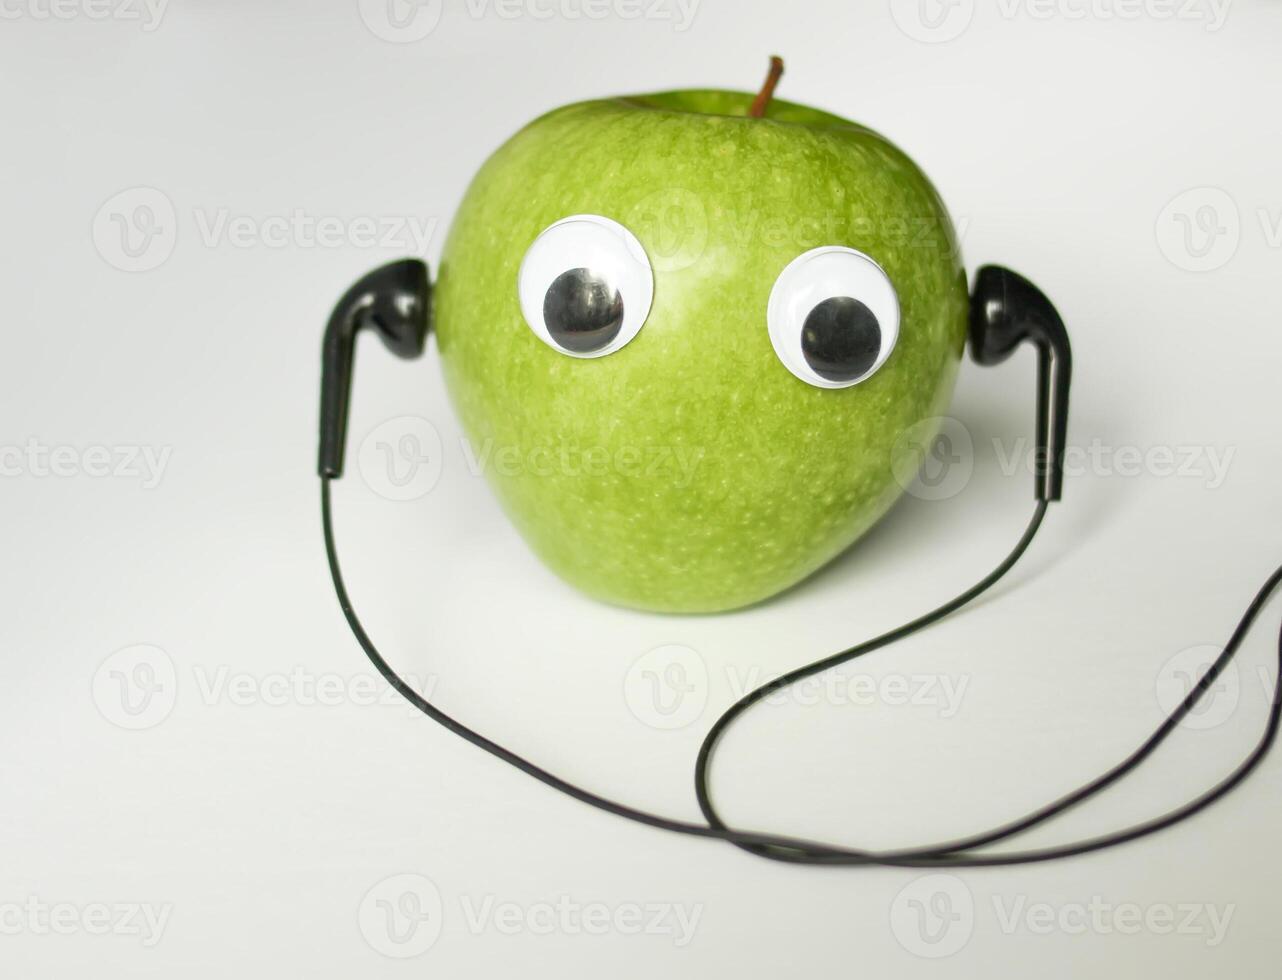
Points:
(954, 854)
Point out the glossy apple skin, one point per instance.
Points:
(690, 471)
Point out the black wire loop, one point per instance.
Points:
(958, 853)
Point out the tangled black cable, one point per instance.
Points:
(953, 854)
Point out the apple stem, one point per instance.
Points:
(758, 107)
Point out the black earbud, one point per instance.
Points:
(394, 299)
(1005, 310)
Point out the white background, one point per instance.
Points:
(264, 821)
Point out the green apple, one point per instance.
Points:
(692, 469)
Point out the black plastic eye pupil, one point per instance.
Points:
(583, 311)
(841, 339)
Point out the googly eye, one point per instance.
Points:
(585, 286)
(833, 317)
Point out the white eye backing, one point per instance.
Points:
(833, 317)
(585, 286)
